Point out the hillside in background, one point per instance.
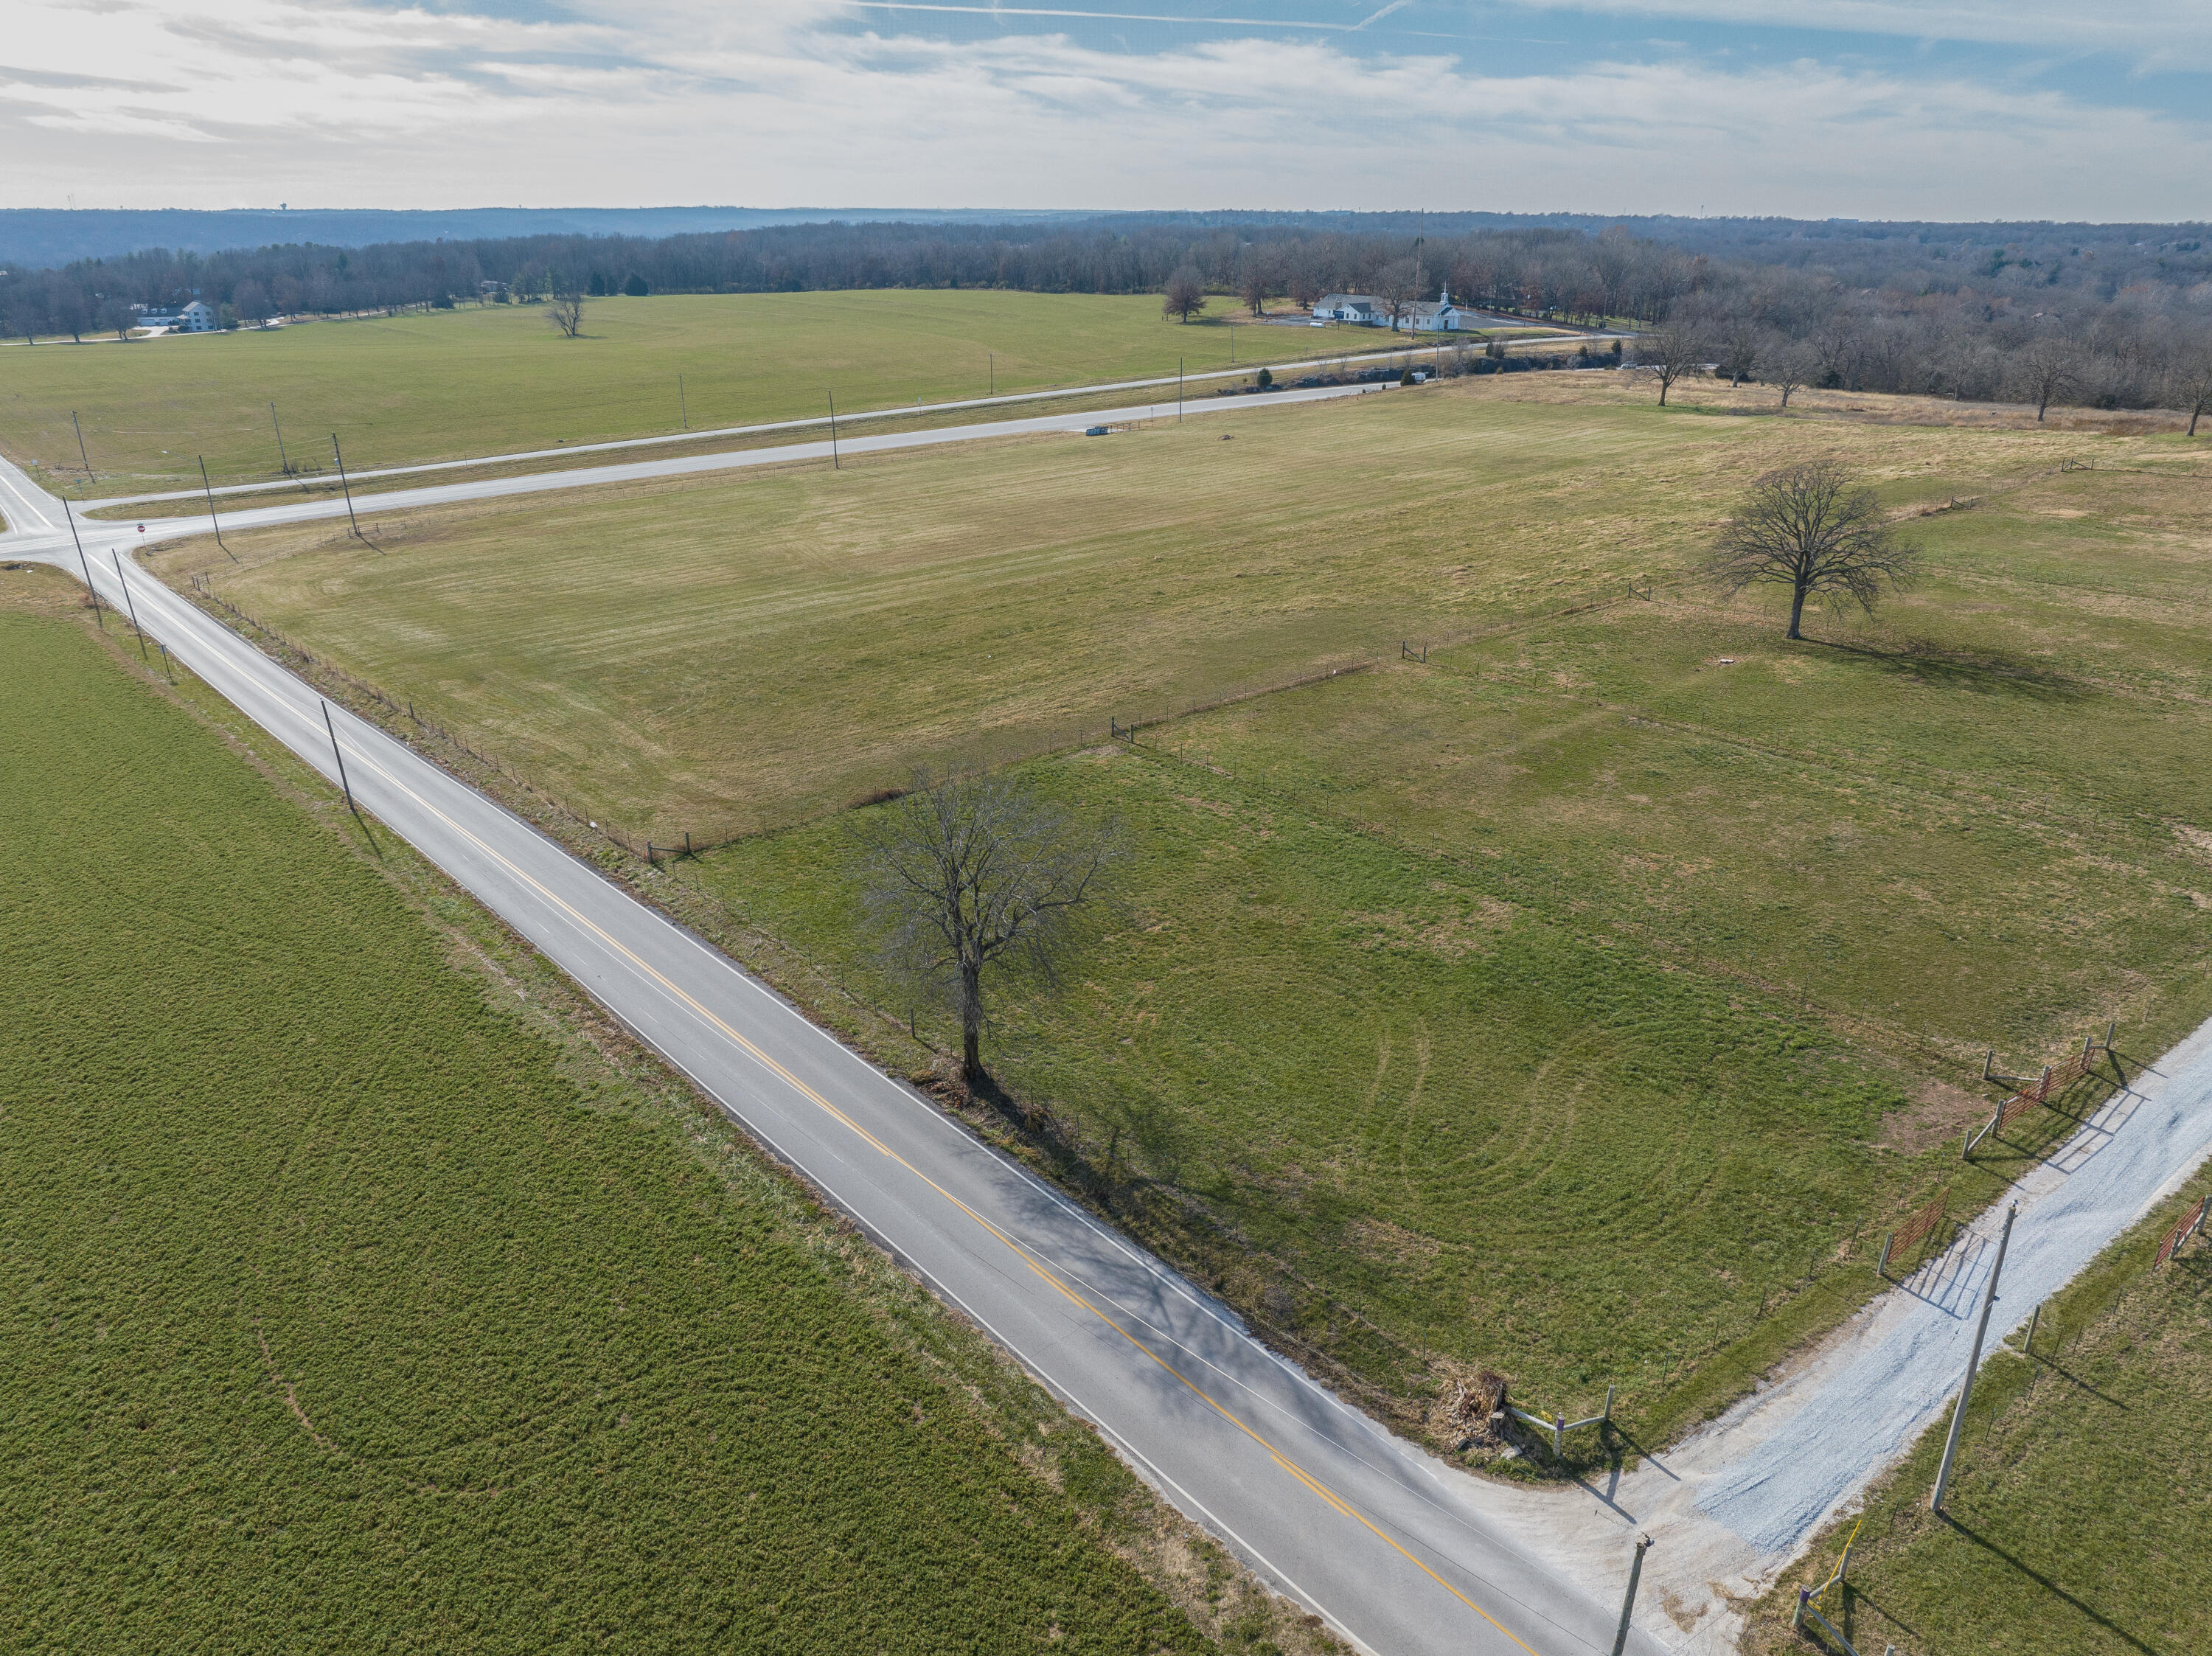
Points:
(46, 238)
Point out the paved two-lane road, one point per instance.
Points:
(1372, 1535)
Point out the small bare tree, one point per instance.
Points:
(972, 869)
(1669, 352)
(1184, 295)
(1743, 346)
(1814, 529)
(2048, 368)
(565, 306)
(1791, 364)
(2192, 379)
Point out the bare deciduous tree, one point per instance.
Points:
(251, 302)
(2192, 377)
(1184, 295)
(1791, 364)
(2047, 367)
(1743, 346)
(971, 869)
(565, 306)
(1670, 352)
(1398, 285)
(1815, 530)
(1256, 278)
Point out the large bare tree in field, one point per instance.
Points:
(1670, 351)
(971, 870)
(1184, 295)
(565, 306)
(1816, 530)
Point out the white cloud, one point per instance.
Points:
(821, 104)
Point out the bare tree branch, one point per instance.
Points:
(1812, 529)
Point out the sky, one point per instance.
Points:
(1943, 109)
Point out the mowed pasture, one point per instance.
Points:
(1618, 927)
(2075, 1518)
(498, 379)
(348, 1303)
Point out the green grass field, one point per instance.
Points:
(496, 378)
(353, 1301)
(2077, 1501)
(1618, 919)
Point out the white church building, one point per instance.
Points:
(1439, 315)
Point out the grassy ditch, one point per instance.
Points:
(2075, 1512)
(361, 1285)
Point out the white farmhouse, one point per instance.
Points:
(1362, 308)
(194, 317)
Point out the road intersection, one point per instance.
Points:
(1399, 1552)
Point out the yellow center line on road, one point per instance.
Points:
(1021, 1252)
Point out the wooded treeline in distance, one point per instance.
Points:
(2111, 315)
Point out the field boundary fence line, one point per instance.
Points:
(2055, 1078)
(400, 709)
(1915, 1230)
(2184, 1228)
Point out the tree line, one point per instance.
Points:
(2104, 316)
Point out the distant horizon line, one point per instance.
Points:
(987, 213)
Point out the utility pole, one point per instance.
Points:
(682, 407)
(991, 359)
(1966, 1389)
(833, 431)
(1178, 390)
(129, 607)
(1635, 1574)
(345, 785)
(343, 484)
(84, 564)
(81, 454)
(209, 489)
(284, 460)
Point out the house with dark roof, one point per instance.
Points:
(193, 316)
